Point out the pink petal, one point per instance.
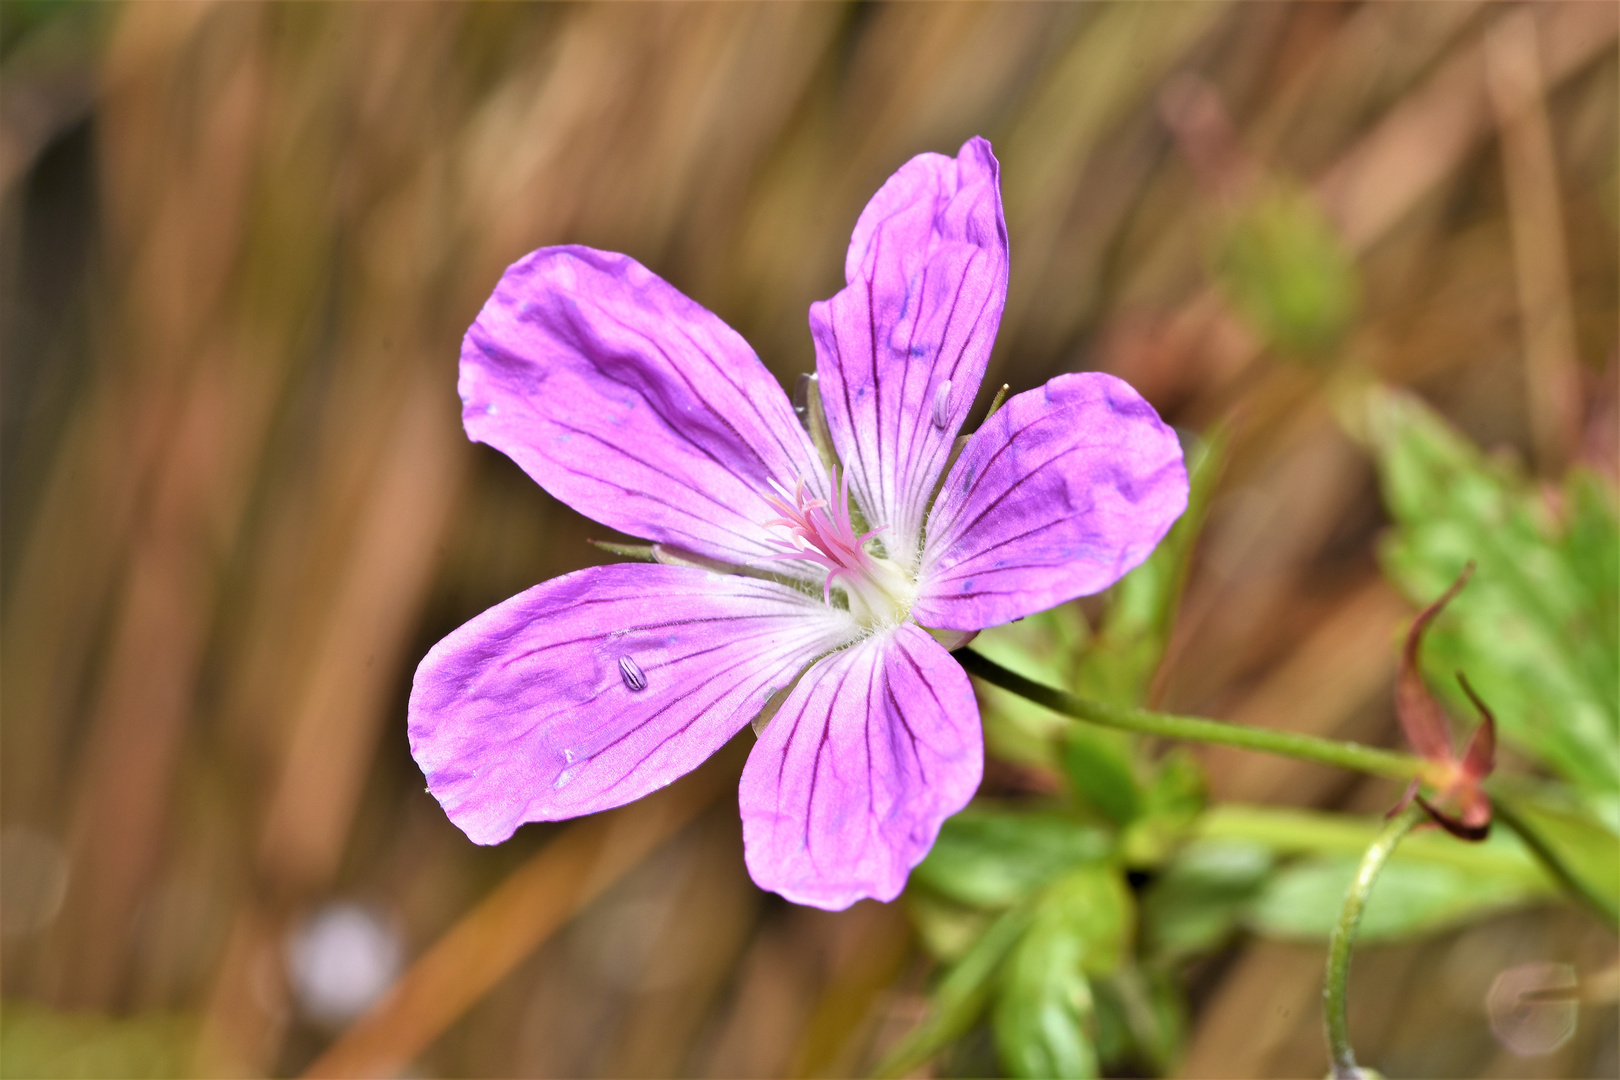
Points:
(927, 273)
(846, 790)
(1060, 493)
(595, 688)
(632, 404)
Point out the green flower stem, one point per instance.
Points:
(1344, 936)
(1345, 755)
(1365, 759)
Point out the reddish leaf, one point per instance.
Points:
(1419, 713)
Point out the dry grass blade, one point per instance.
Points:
(493, 938)
(1546, 315)
(239, 246)
(1425, 138)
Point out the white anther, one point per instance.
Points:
(630, 671)
(942, 405)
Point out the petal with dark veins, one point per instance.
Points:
(927, 274)
(598, 687)
(1059, 494)
(846, 790)
(634, 405)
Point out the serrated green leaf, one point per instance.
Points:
(986, 857)
(1535, 630)
(1044, 1013)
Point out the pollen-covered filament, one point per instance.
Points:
(879, 592)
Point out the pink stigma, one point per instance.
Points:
(822, 534)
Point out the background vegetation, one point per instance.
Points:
(1364, 255)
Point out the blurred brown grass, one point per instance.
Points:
(241, 244)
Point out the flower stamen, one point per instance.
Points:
(823, 533)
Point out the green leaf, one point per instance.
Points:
(1141, 1019)
(1199, 900)
(1410, 899)
(947, 929)
(1043, 647)
(1100, 764)
(1536, 629)
(1584, 852)
(988, 858)
(1315, 832)
(1432, 881)
(1043, 1017)
(959, 997)
(1171, 805)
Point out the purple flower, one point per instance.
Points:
(644, 411)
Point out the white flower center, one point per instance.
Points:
(879, 592)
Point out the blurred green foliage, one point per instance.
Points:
(1028, 902)
(1537, 630)
(989, 857)
(36, 1041)
(1198, 902)
(1284, 269)
(1587, 849)
(1302, 901)
(1044, 1013)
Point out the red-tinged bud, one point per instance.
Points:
(1459, 805)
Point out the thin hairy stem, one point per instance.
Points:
(1346, 755)
(1336, 989)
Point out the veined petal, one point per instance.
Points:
(927, 273)
(1061, 492)
(845, 791)
(597, 687)
(633, 404)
